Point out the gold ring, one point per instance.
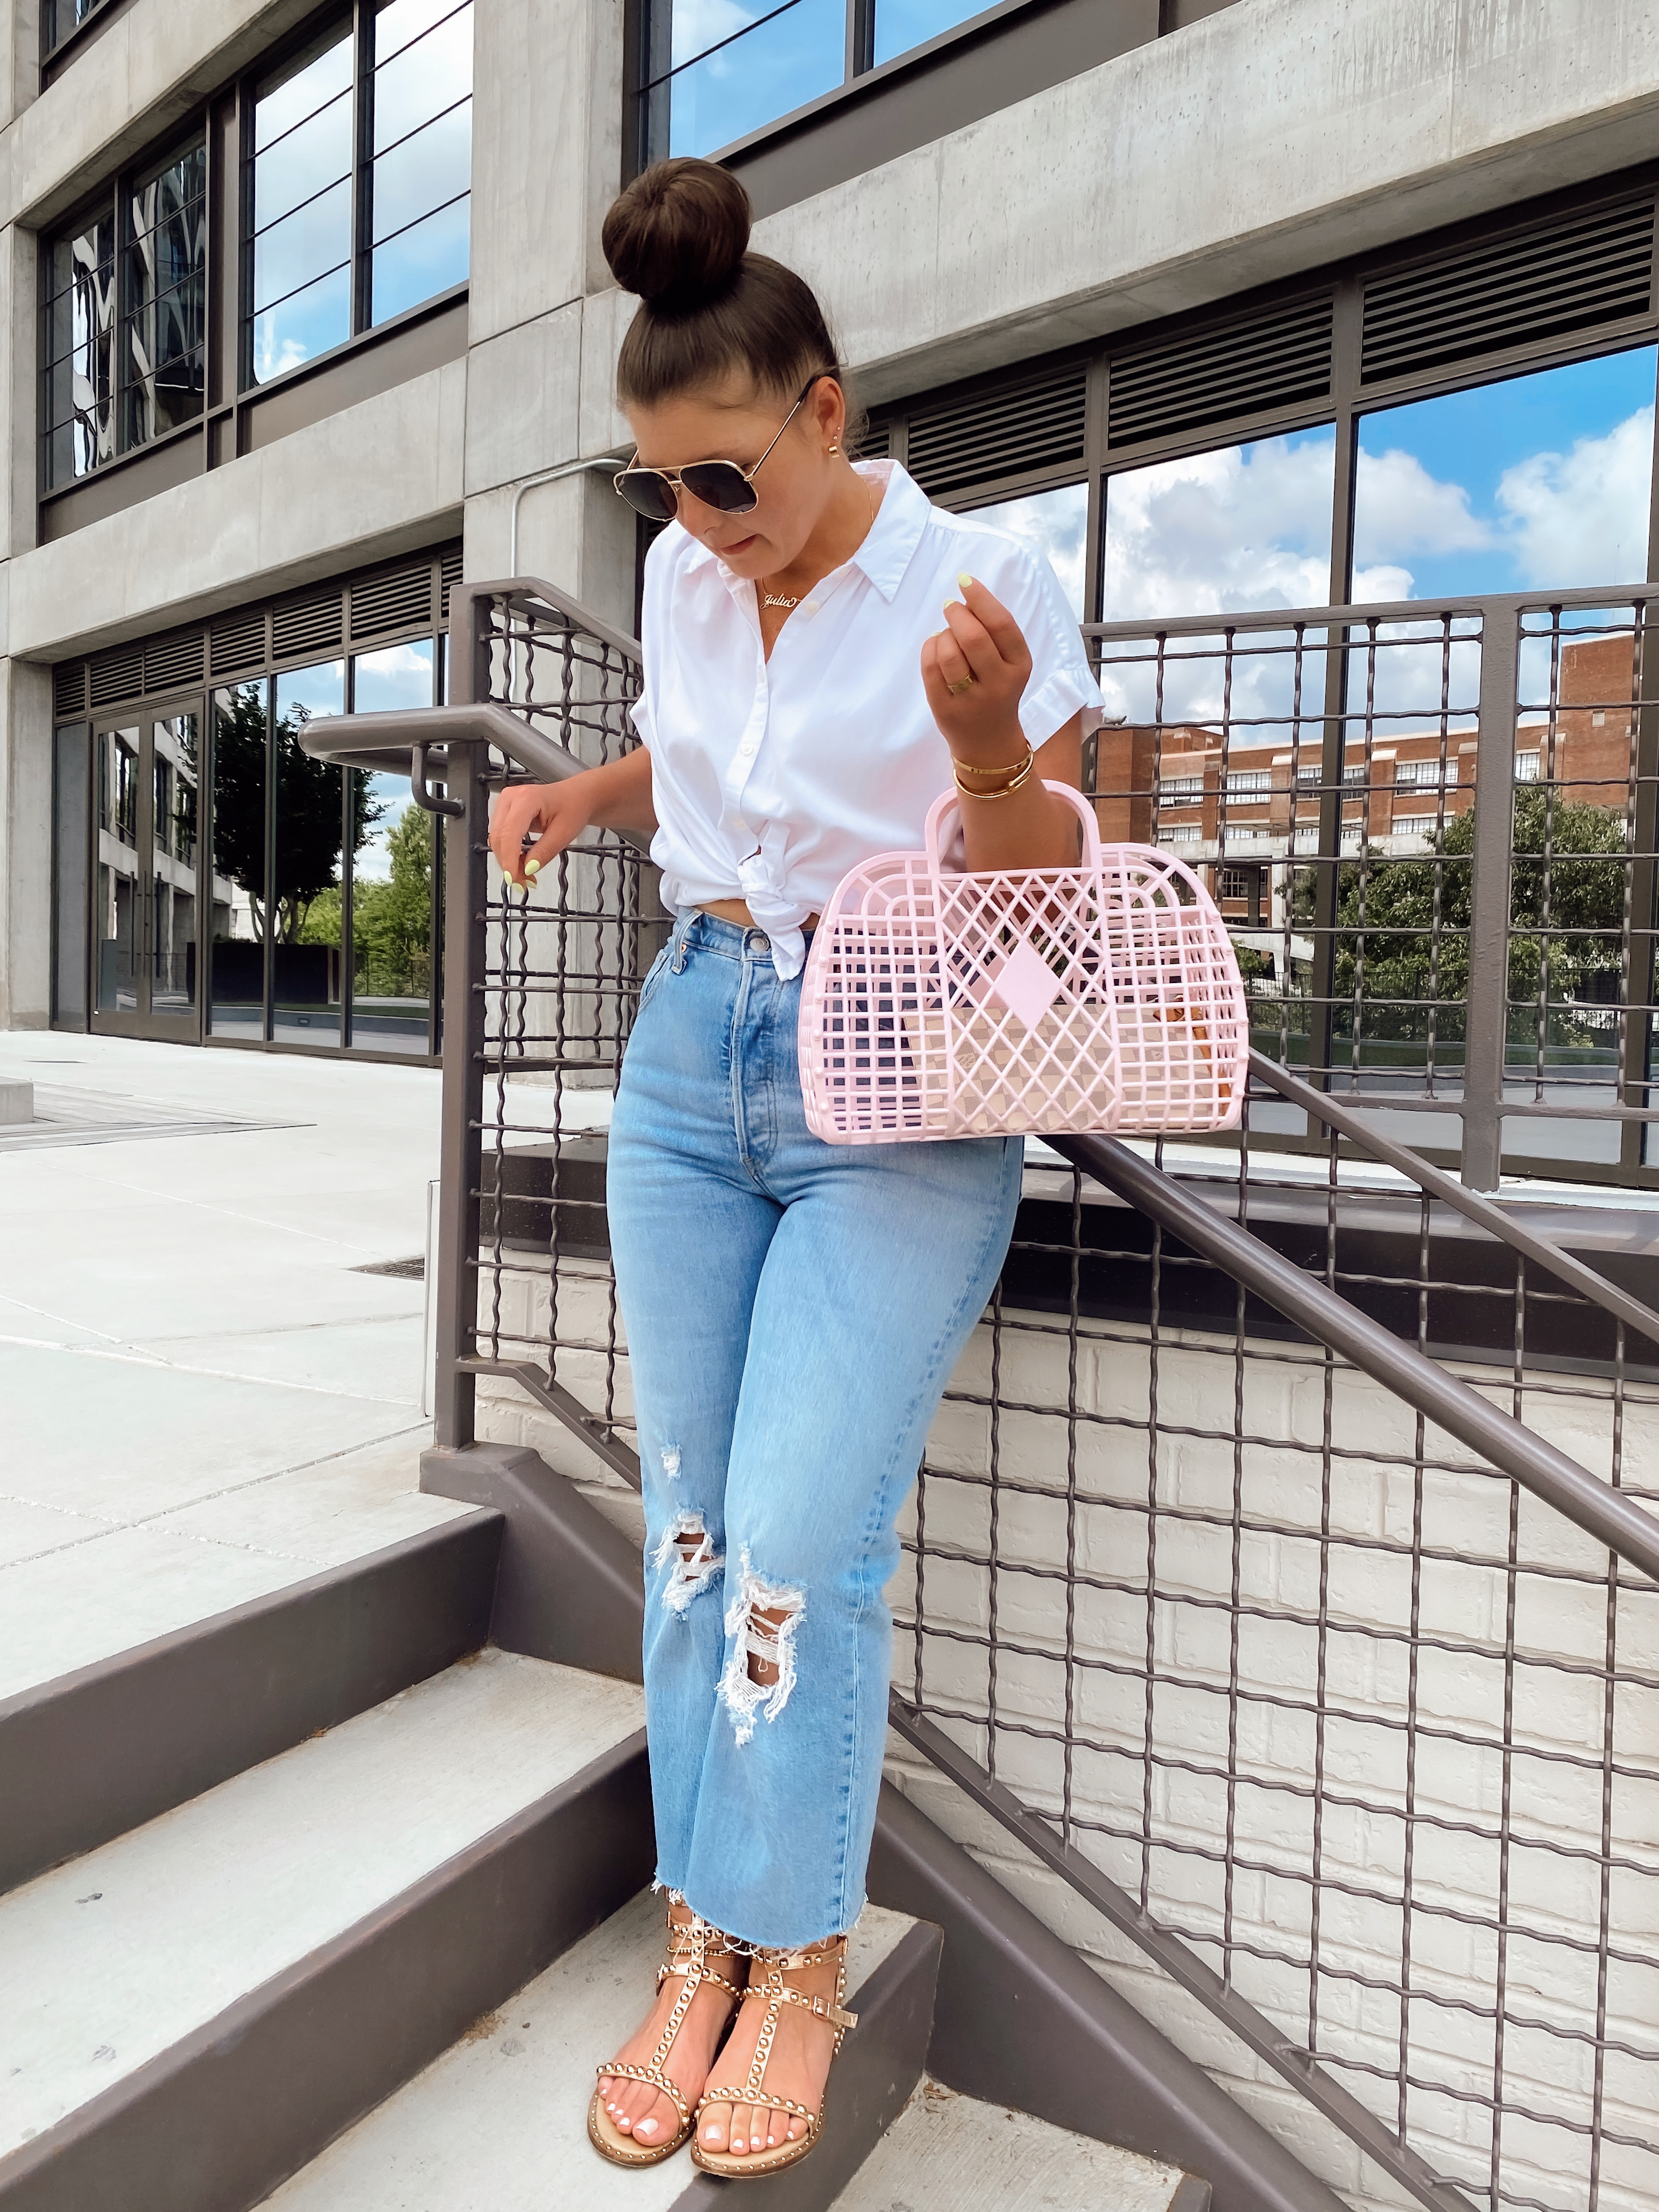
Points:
(955, 691)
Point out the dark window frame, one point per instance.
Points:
(54, 51)
(360, 15)
(111, 199)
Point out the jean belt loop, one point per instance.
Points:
(682, 926)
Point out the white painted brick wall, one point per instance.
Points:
(1557, 1714)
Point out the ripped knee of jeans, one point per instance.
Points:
(761, 1621)
(689, 1550)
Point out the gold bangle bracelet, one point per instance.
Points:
(1003, 791)
(1008, 767)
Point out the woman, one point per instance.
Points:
(793, 1310)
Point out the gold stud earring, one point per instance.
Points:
(835, 449)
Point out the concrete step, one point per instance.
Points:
(195, 2007)
(947, 2153)
(499, 2124)
(137, 1722)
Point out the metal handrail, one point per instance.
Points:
(1504, 1443)
(1362, 615)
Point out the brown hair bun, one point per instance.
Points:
(678, 236)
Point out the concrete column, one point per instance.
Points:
(24, 846)
(20, 56)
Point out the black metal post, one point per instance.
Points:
(466, 884)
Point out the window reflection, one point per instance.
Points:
(1240, 528)
(1541, 480)
(422, 171)
(236, 880)
(902, 24)
(63, 17)
(79, 376)
(165, 303)
(392, 906)
(174, 777)
(306, 975)
(300, 203)
(731, 68)
(1054, 525)
(119, 892)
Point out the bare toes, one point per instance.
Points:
(714, 2125)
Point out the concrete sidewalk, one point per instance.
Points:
(201, 1398)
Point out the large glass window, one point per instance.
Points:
(307, 982)
(392, 897)
(237, 874)
(125, 317)
(1239, 527)
(1542, 480)
(1054, 524)
(359, 179)
(716, 69)
(60, 17)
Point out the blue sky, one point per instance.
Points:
(1554, 470)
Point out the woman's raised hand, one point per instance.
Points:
(556, 814)
(979, 720)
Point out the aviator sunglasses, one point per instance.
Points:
(723, 485)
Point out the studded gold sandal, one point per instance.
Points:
(691, 1944)
(766, 1972)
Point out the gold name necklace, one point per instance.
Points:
(778, 599)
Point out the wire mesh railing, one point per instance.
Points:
(1431, 829)
(1345, 1726)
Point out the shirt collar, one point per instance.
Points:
(890, 544)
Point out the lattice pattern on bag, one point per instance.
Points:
(1102, 998)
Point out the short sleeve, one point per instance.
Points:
(1061, 682)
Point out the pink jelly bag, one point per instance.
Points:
(1103, 999)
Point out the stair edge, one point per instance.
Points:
(90, 1754)
(220, 2118)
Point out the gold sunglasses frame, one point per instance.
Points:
(671, 476)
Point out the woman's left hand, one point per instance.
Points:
(978, 719)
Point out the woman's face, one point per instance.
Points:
(735, 422)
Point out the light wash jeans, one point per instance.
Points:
(793, 1311)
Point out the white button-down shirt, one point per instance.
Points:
(772, 779)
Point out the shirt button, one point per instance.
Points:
(746, 747)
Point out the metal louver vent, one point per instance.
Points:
(449, 574)
(172, 662)
(238, 644)
(1280, 359)
(118, 675)
(1593, 266)
(876, 443)
(1000, 435)
(399, 600)
(306, 627)
(69, 687)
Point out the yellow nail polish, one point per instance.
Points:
(532, 867)
(964, 580)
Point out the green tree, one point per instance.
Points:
(391, 916)
(1565, 913)
(308, 828)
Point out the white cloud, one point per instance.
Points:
(700, 24)
(1054, 525)
(1248, 526)
(1243, 527)
(1582, 517)
(1400, 509)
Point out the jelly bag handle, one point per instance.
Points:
(945, 817)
